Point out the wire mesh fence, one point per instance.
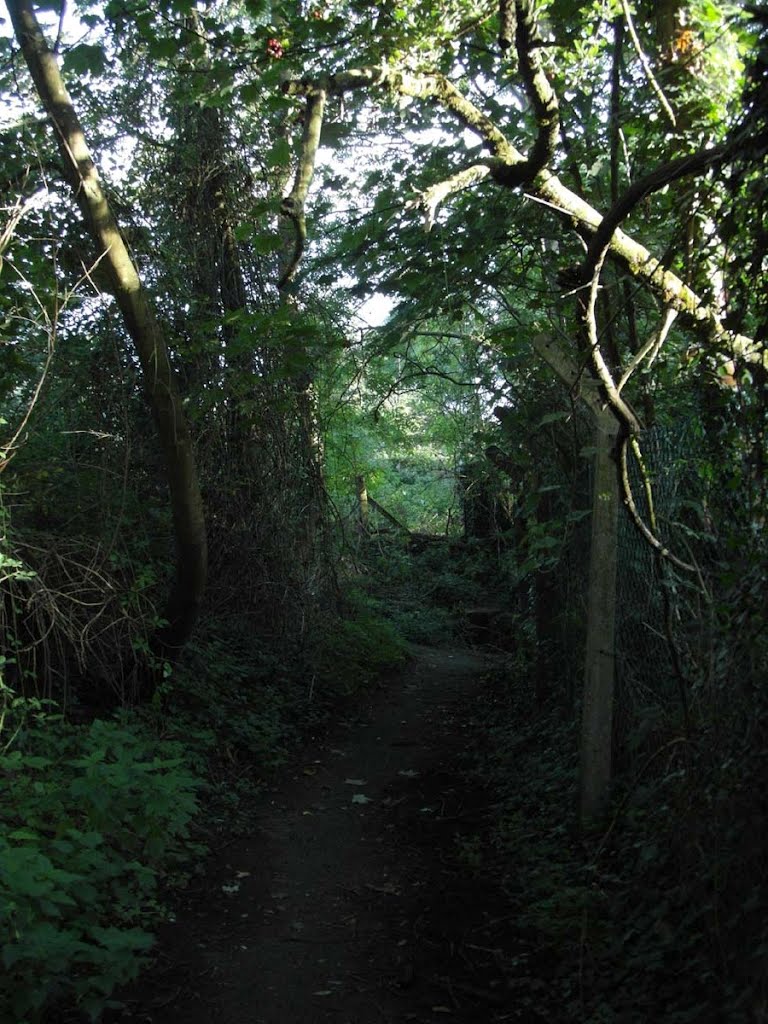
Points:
(655, 623)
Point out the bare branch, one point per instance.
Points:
(430, 200)
(646, 64)
(60, 30)
(629, 502)
(8, 450)
(623, 411)
(15, 214)
(683, 167)
(651, 348)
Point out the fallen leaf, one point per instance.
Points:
(388, 889)
(391, 802)
(360, 798)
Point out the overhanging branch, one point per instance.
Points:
(511, 168)
(540, 93)
(430, 200)
(432, 86)
(646, 268)
(694, 163)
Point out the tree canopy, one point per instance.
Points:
(560, 205)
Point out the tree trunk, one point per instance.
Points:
(597, 708)
(303, 383)
(142, 325)
(362, 502)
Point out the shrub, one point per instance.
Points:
(363, 644)
(90, 818)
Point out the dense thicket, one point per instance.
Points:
(562, 209)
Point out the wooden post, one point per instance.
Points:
(600, 658)
(599, 666)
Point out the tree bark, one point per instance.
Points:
(362, 501)
(141, 322)
(303, 384)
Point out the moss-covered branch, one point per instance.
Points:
(540, 93)
(294, 203)
(511, 168)
(431, 86)
(430, 199)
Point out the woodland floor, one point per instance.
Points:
(348, 902)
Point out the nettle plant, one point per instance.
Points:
(89, 818)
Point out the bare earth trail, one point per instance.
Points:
(346, 903)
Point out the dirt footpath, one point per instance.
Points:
(346, 903)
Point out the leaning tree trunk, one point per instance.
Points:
(142, 325)
(292, 209)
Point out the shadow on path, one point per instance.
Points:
(345, 904)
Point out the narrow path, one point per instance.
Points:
(338, 907)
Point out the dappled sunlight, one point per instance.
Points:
(382, 512)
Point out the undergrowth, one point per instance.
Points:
(424, 592)
(100, 821)
(361, 645)
(92, 817)
(654, 916)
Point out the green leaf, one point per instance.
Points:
(553, 417)
(251, 92)
(23, 833)
(166, 46)
(279, 154)
(85, 59)
(265, 244)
